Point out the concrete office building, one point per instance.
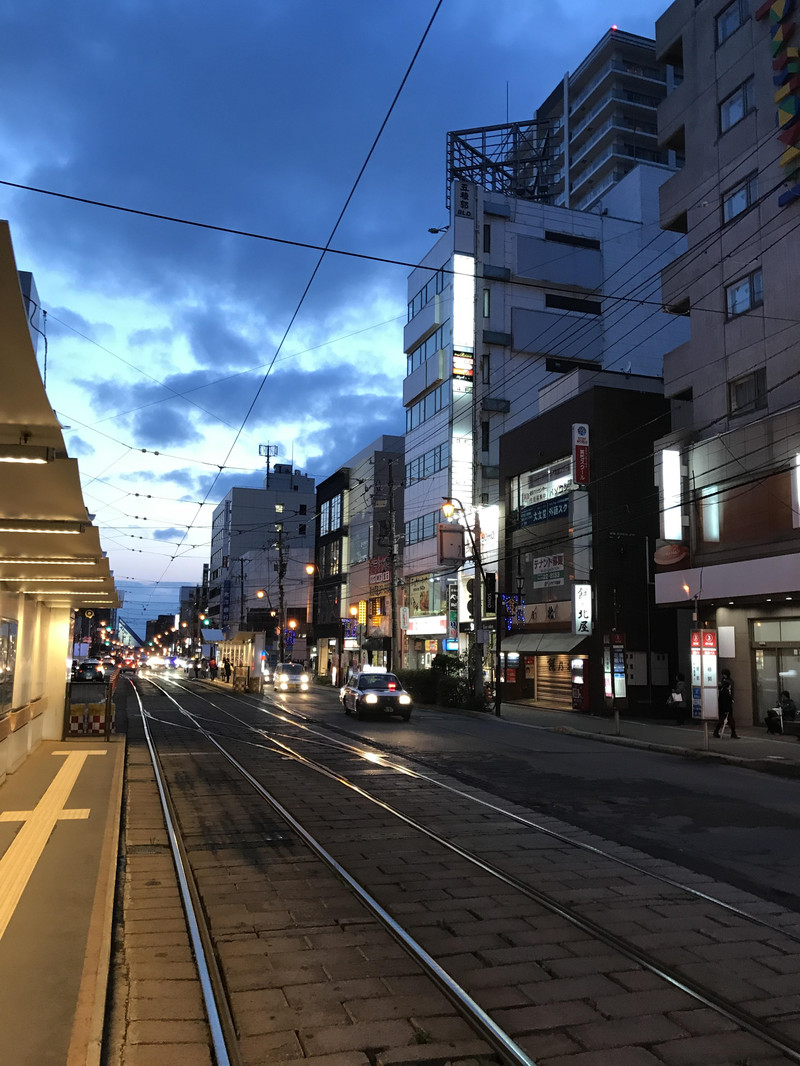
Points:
(516, 295)
(261, 542)
(358, 555)
(729, 471)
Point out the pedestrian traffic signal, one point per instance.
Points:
(471, 597)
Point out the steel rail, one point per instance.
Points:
(499, 1040)
(220, 1021)
(530, 823)
(697, 991)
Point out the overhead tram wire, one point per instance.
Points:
(326, 248)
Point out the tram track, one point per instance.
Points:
(463, 865)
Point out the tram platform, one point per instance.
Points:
(59, 831)
(60, 821)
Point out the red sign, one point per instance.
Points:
(580, 454)
(697, 641)
(709, 638)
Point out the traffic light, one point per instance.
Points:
(491, 593)
(471, 596)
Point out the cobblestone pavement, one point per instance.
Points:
(311, 974)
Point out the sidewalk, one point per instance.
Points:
(59, 828)
(755, 749)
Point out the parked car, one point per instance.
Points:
(290, 676)
(89, 670)
(381, 693)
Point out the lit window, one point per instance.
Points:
(278, 508)
(739, 198)
(730, 19)
(744, 294)
(734, 107)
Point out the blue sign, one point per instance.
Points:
(544, 511)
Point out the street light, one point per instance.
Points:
(449, 507)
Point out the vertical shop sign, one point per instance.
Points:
(580, 453)
(704, 673)
(452, 610)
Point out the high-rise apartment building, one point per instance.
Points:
(729, 473)
(603, 119)
(518, 293)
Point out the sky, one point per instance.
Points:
(174, 351)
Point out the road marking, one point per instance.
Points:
(20, 859)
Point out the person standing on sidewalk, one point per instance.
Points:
(725, 704)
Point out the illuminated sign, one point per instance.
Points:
(463, 365)
(427, 624)
(582, 608)
(580, 454)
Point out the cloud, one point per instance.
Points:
(78, 447)
(171, 534)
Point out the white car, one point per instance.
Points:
(290, 676)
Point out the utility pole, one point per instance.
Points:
(477, 611)
(241, 594)
(281, 600)
(395, 659)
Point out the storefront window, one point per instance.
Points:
(8, 660)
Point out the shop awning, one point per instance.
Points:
(544, 643)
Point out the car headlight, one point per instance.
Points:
(371, 698)
(404, 699)
(304, 678)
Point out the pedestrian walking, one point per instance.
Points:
(212, 668)
(196, 669)
(725, 704)
(226, 666)
(678, 699)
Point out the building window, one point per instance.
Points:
(301, 530)
(744, 294)
(739, 198)
(422, 528)
(486, 369)
(303, 509)
(487, 238)
(278, 508)
(336, 512)
(487, 303)
(571, 303)
(427, 293)
(484, 436)
(748, 393)
(734, 107)
(428, 406)
(430, 463)
(730, 19)
(417, 356)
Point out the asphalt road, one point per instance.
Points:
(737, 825)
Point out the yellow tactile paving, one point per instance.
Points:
(20, 859)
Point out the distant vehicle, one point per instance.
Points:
(290, 676)
(128, 666)
(89, 670)
(381, 693)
